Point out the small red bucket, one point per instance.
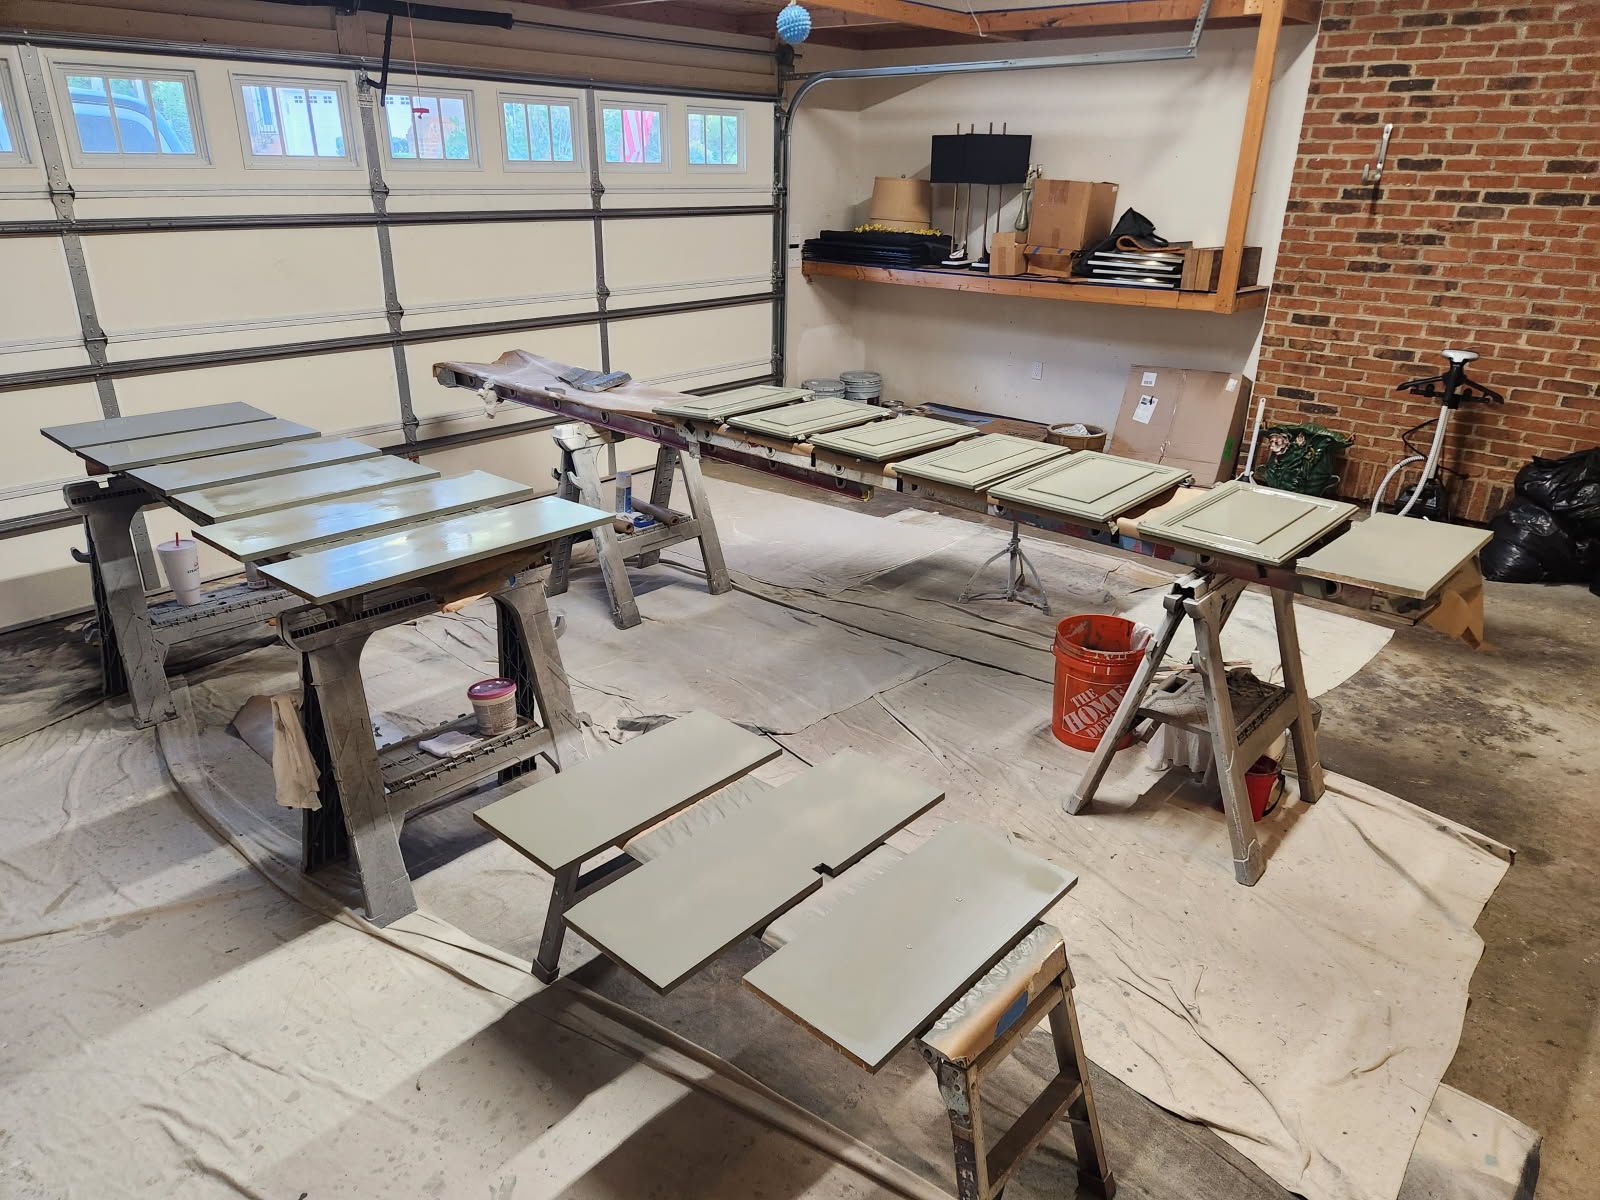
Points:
(1261, 780)
(1096, 657)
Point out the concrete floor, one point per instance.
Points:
(1503, 740)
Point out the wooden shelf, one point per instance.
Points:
(1039, 288)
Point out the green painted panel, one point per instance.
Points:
(1245, 520)
(894, 438)
(285, 531)
(678, 911)
(981, 461)
(891, 957)
(605, 800)
(797, 422)
(168, 478)
(427, 549)
(172, 447)
(730, 404)
(229, 500)
(1399, 556)
(173, 420)
(1090, 486)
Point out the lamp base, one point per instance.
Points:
(980, 263)
(958, 257)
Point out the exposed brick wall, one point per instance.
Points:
(1484, 234)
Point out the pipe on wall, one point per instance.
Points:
(785, 115)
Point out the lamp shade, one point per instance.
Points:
(986, 158)
(948, 158)
(904, 204)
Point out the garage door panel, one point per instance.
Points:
(37, 307)
(336, 393)
(31, 464)
(153, 283)
(696, 349)
(687, 258)
(676, 181)
(495, 271)
(578, 344)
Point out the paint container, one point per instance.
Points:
(624, 492)
(494, 703)
(180, 562)
(253, 577)
(1096, 657)
(1261, 781)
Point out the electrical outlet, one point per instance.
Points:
(1038, 370)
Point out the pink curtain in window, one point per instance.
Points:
(637, 125)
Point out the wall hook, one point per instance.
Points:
(1372, 173)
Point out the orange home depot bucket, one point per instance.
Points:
(1096, 657)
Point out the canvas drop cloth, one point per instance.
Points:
(162, 996)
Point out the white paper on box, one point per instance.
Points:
(1149, 379)
(1145, 409)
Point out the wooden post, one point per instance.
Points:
(1244, 177)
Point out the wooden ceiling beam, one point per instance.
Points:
(1130, 16)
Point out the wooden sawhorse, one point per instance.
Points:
(1243, 722)
(579, 478)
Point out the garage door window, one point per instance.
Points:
(538, 132)
(716, 139)
(430, 127)
(293, 123)
(126, 118)
(634, 135)
(11, 154)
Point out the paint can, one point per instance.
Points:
(1261, 781)
(1096, 657)
(494, 703)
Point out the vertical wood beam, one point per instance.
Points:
(1244, 177)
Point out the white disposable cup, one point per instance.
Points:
(180, 562)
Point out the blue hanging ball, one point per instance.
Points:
(794, 23)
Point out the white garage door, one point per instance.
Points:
(236, 230)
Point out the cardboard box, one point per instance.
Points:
(1069, 215)
(1006, 255)
(1183, 418)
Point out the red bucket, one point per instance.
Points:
(1096, 657)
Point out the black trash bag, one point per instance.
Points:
(1567, 488)
(1531, 546)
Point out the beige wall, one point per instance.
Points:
(1166, 132)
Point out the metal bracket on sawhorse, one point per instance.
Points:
(579, 478)
(1243, 723)
(136, 635)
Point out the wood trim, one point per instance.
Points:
(1255, 124)
(1040, 289)
(1129, 16)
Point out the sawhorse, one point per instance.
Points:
(366, 792)
(136, 635)
(1243, 723)
(579, 478)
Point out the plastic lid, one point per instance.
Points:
(491, 689)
